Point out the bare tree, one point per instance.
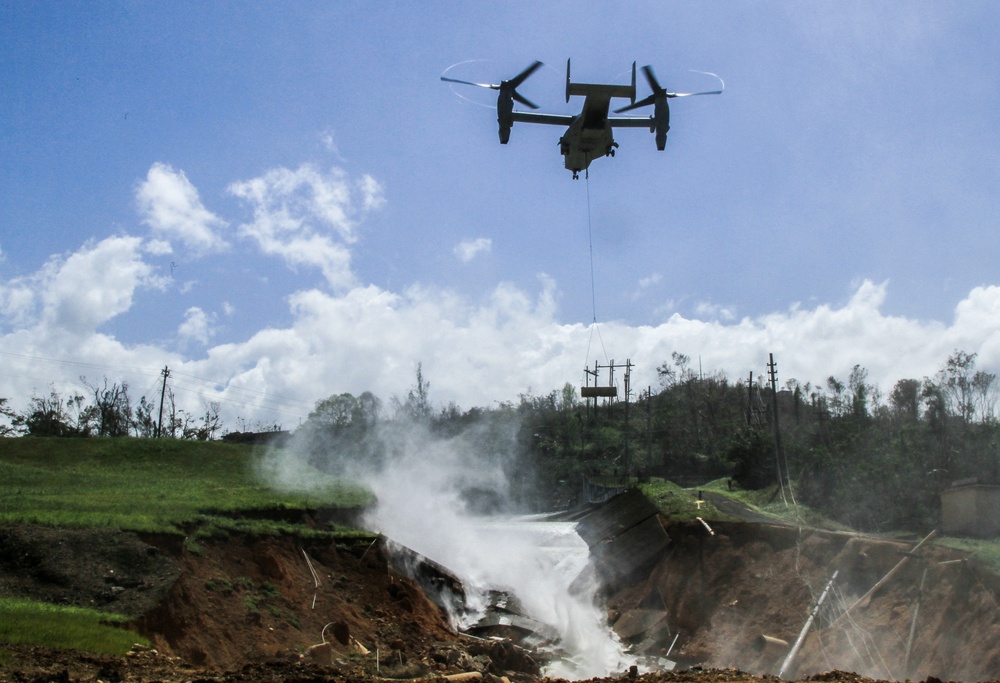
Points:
(111, 412)
(417, 405)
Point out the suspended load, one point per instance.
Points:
(598, 392)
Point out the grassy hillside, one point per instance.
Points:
(135, 485)
(144, 484)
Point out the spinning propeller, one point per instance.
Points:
(661, 114)
(505, 99)
(506, 88)
(661, 92)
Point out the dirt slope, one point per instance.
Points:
(249, 608)
(719, 594)
(270, 608)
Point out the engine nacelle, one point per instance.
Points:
(661, 122)
(505, 114)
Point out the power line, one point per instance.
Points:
(197, 386)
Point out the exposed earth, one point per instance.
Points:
(261, 609)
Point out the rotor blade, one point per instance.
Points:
(523, 100)
(651, 78)
(690, 94)
(705, 92)
(521, 77)
(641, 103)
(481, 85)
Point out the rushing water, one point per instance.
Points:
(544, 565)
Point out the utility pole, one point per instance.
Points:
(772, 375)
(779, 451)
(163, 393)
(628, 458)
(649, 425)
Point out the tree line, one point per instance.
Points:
(108, 410)
(870, 459)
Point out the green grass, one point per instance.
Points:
(147, 485)
(986, 552)
(23, 622)
(768, 501)
(677, 503)
(680, 504)
(201, 489)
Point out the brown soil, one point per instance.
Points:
(722, 593)
(249, 609)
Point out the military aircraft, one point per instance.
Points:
(588, 134)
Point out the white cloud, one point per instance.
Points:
(308, 218)
(158, 247)
(197, 325)
(359, 338)
(706, 309)
(646, 282)
(17, 301)
(371, 339)
(329, 143)
(172, 209)
(78, 293)
(466, 250)
(372, 193)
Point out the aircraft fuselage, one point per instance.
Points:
(589, 136)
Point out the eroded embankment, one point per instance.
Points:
(223, 602)
(226, 602)
(240, 599)
(718, 594)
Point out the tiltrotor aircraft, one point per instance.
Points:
(588, 134)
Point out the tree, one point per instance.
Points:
(111, 413)
(679, 374)
(144, 422)
(10, 415)
(837, 402)
(904, 400)
(751, 453)
(857, 384)
(984, 395)
(210, 423)
(53, 416)
(956, 384)
(417, 406)
(369, 410)
(334, 413)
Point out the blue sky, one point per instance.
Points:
(283, 201)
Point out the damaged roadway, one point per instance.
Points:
(243, 608)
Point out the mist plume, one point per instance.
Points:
(432, 493)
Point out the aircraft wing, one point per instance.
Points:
(548, 119)
(631, 121)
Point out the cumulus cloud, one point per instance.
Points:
(197, 325)
(356, 337)
(474, 352)
(171, 207)
(466, 250)
(308, 218)
(79, 292)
